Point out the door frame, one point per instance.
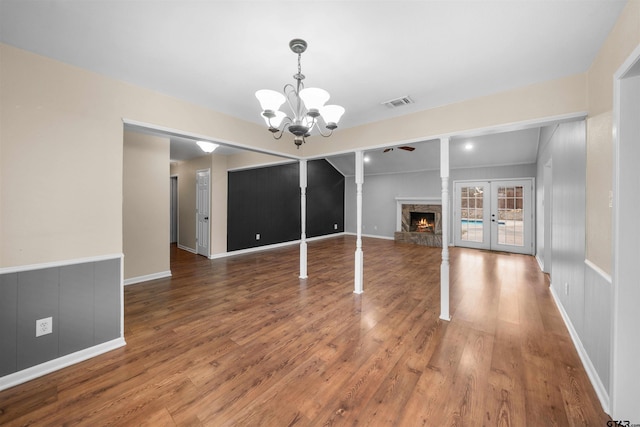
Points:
(626, 268)
(488, 209)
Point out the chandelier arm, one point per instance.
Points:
(278, 135)
(292, 92)
(326, 135)
(317, 124)
(277, 132)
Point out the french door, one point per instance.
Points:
(495, 215)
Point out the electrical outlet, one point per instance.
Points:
(258, 236)
(335, 226)
(44, 326)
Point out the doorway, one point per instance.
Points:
(625, 343)
(494, 215)
(202, 211)
(547, 216)
(173, 210)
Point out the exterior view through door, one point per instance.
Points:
(496, 215)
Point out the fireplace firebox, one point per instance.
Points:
(422, 222)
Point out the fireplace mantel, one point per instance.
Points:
(412, 201)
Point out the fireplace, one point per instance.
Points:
(422, 222)
(419, 223)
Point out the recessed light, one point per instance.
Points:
(366, 159)
(468, 146)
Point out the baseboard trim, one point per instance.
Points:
(147, 277)
(33, 372)
(373, 236)
(188, 249)
(540, 263)
(274, 246)
(600, 389)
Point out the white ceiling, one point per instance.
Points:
(218, 53)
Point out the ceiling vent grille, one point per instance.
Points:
(398, 102)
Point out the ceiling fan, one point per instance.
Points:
(404, 147)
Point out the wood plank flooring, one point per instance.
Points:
(243, 341)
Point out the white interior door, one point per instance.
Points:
(202, 211)
(495, 215)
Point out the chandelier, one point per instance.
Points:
(306, 105)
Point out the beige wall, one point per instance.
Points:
(624, 37)
(145, 207)
(218, 221)
(61, 163)
(61, 145)
(531, 103)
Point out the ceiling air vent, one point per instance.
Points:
(398, 102)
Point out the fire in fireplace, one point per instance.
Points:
(422, 222)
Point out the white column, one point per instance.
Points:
(444, 267)
(303, 219)
(359, 264)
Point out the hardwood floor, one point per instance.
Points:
(242, 341)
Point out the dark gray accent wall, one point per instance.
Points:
(325, 199)
(83, 300)
(266, 201)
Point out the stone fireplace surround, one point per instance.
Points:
(404, 207)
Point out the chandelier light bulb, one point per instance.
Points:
(270, 100)
(331, 114)
(314, 98)
(275, 120)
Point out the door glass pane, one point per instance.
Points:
(510, 216)
(471, 217)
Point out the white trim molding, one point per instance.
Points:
(599, 388)
(186, 248)
(61, 263)
(33, 372)
(273, 246)
(147, 277)
(605, 276)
